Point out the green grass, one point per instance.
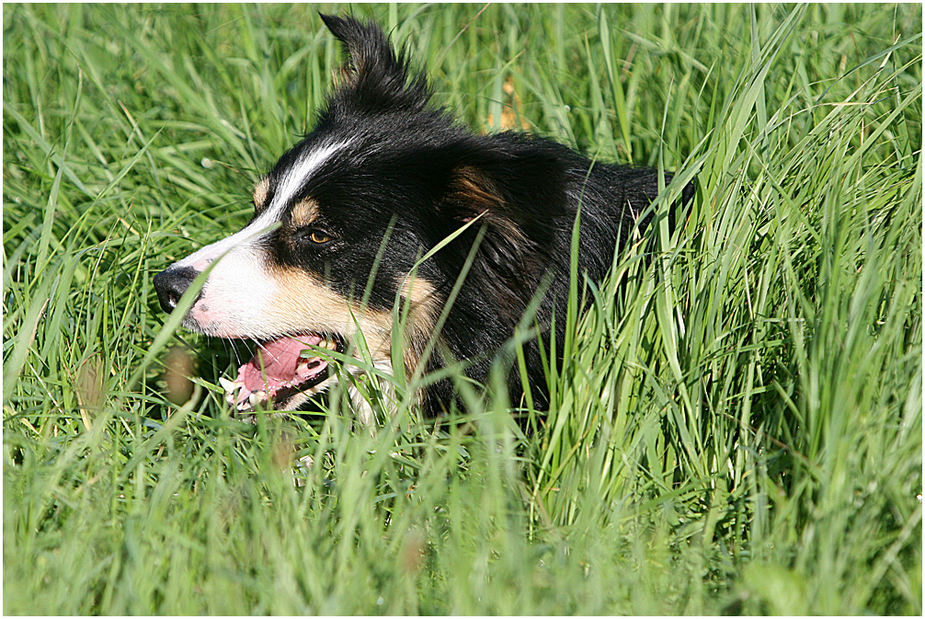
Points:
(736, 427)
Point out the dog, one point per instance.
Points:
(357, 209)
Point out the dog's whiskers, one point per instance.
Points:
(234, 349)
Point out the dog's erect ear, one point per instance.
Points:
(377, 75)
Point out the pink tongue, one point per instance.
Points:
(278, 366)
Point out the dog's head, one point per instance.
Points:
(349, 210)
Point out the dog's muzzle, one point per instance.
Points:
(171, 283)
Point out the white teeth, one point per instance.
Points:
(235, 395)
(230, 388)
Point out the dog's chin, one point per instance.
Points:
(284, 372)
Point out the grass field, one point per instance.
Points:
(737, 425)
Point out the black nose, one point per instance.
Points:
(171, 284)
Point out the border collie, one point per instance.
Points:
(349, 212)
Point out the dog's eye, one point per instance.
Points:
(316, 236)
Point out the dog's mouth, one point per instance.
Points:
(280, 368)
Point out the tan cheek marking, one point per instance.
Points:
(304, 212)
(422, 316)
(305, 303)
(260, 193)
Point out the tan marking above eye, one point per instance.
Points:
(260, 193)
(304, 213)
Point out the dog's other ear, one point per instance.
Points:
(504, 187)
(377, 75)
(503, 190)
(472, 193)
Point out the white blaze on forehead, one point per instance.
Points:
(290, 182)
(203, 258)
(294, 177)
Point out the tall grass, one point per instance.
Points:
(736, 425)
